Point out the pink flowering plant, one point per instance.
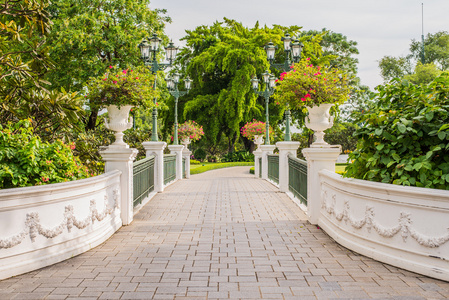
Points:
(309, 85)
(122, 87)
(190, 129)
(251, 129)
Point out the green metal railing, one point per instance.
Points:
(143, 179)
(273, 167)
(169, 168)
(260, 167)
(183, 167)
(297, 178)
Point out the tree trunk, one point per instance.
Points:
(249, 145)
(310, 141)
(92, 122)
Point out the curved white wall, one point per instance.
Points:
(407, 227)
(42, 225)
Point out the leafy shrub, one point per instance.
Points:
(213, 158)
(405, 136)
(200, 154)
(238, 156)
(25, 160)
(342, 134)
(194, 162)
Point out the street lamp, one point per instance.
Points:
(172, 84)
(269, 81)
(292, 48)
(148, 52)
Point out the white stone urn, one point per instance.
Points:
(119, 121)
(319, 119)
(185, 141)
(258, 140)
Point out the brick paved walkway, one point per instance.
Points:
(221, 234)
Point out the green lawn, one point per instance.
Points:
(203, 167)
(206, 166)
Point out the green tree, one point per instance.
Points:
(24, 61)
(410, 67)
(339, 48)
(222, 59)
(423, 73)
(89, 36)
(394, 67)
(436, 49)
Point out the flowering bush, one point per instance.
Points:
(25, 160)
(190, 129)
(309, 85)
(122, 87)
(254, 128)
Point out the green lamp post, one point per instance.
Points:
(172, 84)
(269, 81)
(292, 48)
(148, 50)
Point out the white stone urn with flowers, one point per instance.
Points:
(319, 119)
(258, 140)
(316, 88)
(185, 141)
(119, 121)
(118, 90)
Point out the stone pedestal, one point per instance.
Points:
(285, 149)
(318, 159)
(122, 159)
(157, 149)
(177, 150)
(257, 155)
(186, 154)
(266, 149)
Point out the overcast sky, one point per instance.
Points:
(381, 27)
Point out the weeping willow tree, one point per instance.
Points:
(221, 59)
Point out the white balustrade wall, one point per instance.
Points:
(42, 225)
(407, 227)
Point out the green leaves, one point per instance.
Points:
(407, 127)
(221, 59)
(402, 128)
(26, 161)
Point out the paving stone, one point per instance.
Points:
(221, 235)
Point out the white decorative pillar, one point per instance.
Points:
(285, 149)
(266, 149)
(318, 159)
(122, 159)
(177, 150)
(258, 140)
(186, 154)
(157, 149)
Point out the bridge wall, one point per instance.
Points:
(42, 225)
(407, 227)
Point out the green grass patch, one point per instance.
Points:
(206, 166)
(252, 170)
(197, 169)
